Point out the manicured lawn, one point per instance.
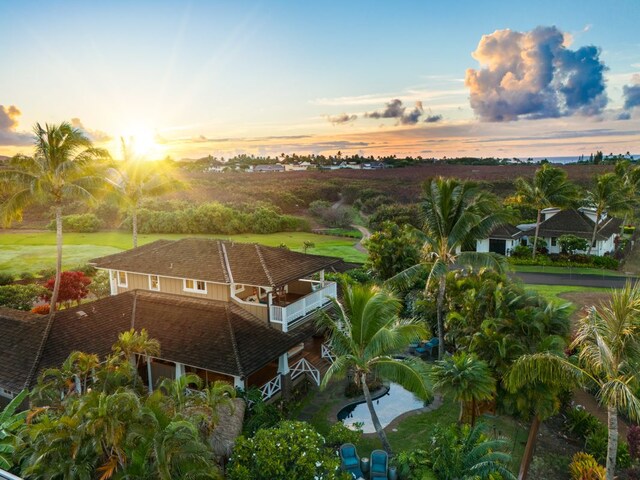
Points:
(553, 292)
(572, 270)
(22, 252)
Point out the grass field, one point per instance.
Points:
(573, 270)
(32, 252)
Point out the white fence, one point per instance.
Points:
(325, 352)
(287, 316)
(272, 387)
(303, 366)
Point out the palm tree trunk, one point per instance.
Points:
(134, 221)
(56, 285)
(461, 414)
(441, 288)
(595, 230)
(374, 416)
(612, 447)
(535, 236)
(527, 456)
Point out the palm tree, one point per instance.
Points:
(549, 188)
(608, 195)
(133, 345)
(466, 378)
(365, 336)
(135, 179)
(630, 177)
(609, 343)
(456, 214)
(63, 167)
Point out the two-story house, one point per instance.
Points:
(225, 311)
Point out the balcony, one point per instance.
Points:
(292, 314)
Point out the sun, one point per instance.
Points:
(143, 142)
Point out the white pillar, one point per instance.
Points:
(112, 283)
(283, 363)
(149, 376)
(238, 382)
(179, 370)
(322, 277)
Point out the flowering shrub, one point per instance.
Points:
(41, 309)
(584, 467)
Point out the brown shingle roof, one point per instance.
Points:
(506, 231)
(576, 223)
(204, 259)
(21, 334)
(208, 334)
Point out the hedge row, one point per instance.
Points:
(557, 260)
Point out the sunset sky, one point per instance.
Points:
(188, 79)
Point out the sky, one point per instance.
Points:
(431, 79)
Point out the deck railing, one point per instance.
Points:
(272, 387)
(8, 476)
(303, 366)
(326, 353)
(290, 315)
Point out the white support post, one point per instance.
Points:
(112, 283)
(238, 382)
(322, 278)
(283, 364)
(149, 376)
(179, 370)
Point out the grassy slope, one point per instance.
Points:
(20, 252)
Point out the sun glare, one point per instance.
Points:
(143, 142)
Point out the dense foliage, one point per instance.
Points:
(20, 297)
(74, 286)
(82, 222)
(392, 249)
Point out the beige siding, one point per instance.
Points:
(257, 310)
(215, 291)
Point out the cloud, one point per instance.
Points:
(433, 119)
(395, 109)
(624, 116)
(94, 135)
(631, 93)
(534, 75)
(8, 124)
(341, 119)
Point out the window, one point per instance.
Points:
(6, 393)
(554, 241)
(122, 279)
(239, 288)
(196, 286)
(154, 283)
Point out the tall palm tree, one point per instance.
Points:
(467, 379)
(609, 357)
(365, 335)
(630, 177)
(608, 195)
(549, 188)
(456, 214)
(64, 167)
(133, 345)
(135, 179)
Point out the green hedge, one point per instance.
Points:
(567, 261)
(82, 223)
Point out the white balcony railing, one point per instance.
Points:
(303, 366)
(292, 313)
(272, 387)
(326, 353)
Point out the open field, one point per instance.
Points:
(572, 270)
(31, 252)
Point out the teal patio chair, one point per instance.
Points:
(349, 460)
(379, 464)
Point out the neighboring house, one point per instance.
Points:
(373, 166)
(268, 168)
(555, 223)
(225, 311)
(298, 167)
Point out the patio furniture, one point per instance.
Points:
(364, 465)
(415, 344)
(349, 460)
(379, 464)
(428, 347)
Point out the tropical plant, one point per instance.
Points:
(134, 345)
(608, 195)
(584, 467)
(62, 168)
(392, 250)
(629, 175)
(134, 179)
(11, 423)
(456, 214)
(466, 379)
(365, 336)
(20, 297)
(465, 453)
(549, 188)
(609, 343)
(73, 288)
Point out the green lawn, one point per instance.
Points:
(31, 252)
(573, 270)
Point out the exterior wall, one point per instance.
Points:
(256, 309)
(483, 245)
(215, 291)
(551, 248)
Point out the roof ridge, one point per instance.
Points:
(224, 261)
(36, 362)
(264, 265)
(234, 343)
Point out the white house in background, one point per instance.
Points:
(298, 167)
(556, 222)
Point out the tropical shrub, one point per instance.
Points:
(41, 309)
(570, 243)
(584, 467)
(292, 450)
(633, 439)
(82, 223)
(100, 285)
(73, 288)
(26, 276)
(11, 424)
(414, 465)
(20, 297)
(339, 433)
(581, 423)
(521, 251)
(397, 213)
(6, 279)
(392, 249)
(596, 445)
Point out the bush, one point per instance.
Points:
(26, 276)
(633, 439)
(521, 251)
(339, 434)
(628, 229)
(584, 467)
(414, 465)
(6, 279)
(596, 445)
(73, 288)
(571, 243)
(100, 285)
(42, 309)
(581, 423)
(82, 223)
(20, 297)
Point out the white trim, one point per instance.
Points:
(238, 287)
(165, 276)
(195, 288)
(151, 285)
(126, 279)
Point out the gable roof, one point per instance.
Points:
(217, 261)
(576, 223)
(506, 231)
(213, 335)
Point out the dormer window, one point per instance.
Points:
(154, 283)
(122, 279)
(195, 286)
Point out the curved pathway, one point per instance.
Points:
(365, 235)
